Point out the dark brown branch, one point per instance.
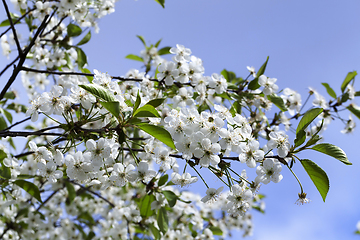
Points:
(57, 25)
(48, 199)
(18, 20)
(23, 57)
(17, 123)
(92, 192)
(9, 65)
(26, 134)
(13, 29)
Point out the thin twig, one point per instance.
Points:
(23, 57)
(18, 20)
(90, 191)
(13, 29)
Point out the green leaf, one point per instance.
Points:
(7, 115)
(3, 155)
(3, 124)
(157, 132)
(81, 58)
(10, 95)
(134, 57)
(354, 110)
(30, 188)
(155, 102)
(333, 151)
(253, 85)
(146, 111)
(85, 39)
(164, 51)
(85, 70)
(300, 138)
(162, 220)
(308, 117)
(5, 172)
(142, 39)
(318, 176)
(157, 43)
(350, 76)
(7, 22)
(216, 230)
(100, 92)
(73, 30)
(71, 193)
(170, 197)
(112, 107)
(278, 101)
(155, 232)
(161, 2)
(329, 90)
(229, 76)
(137, 102)
(145, 208)
(163, 179)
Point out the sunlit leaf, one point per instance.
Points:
(73, 30)
(278, 101)
(350, 76)
(134, 57)
(85, 39)
(318, 176)
(329, 90)
(162, 220)
(333, 151)
(30, 188)
(99, 91)
(157, 132)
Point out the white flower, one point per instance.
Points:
(142, 173)
(168, 72)
(252, 71)
(183, 180)
(350, 125)
(120, 174)
(182, 53)
(280, 141)
(97, 151)
(268, 84)
(269, 171)
(251, 153)
(207, 153)
(218, 82)
(211, 194)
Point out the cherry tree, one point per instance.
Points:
(111, 156)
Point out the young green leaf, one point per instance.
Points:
(163, 180)
(112, 107)
(157, 132)
(73, 30)
(7, 22)
(308, 117)
(85, 70)
(155, 232)
(141, 39)
(155, 102)
(71, 193)
(99, 91)
(85, 39)
(161, 2)
(318, 176)
(253, 85)
(137, 102)
(170, 197)
(350, 76)
(164, 51)
(278, 101)
(81, 58)
(300, 138)
(329, 90)
(354, 110)
(216, 230)
(229, 76)
(146, 111)
(157, 43)
(134, 57)
(162, 220)
(3, 124)
(30, 188)
(5, 172)
(333, 151)
(145, 208)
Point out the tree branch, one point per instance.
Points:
(13, 29)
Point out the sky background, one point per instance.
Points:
(308, 42)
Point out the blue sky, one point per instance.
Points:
(308, 42)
